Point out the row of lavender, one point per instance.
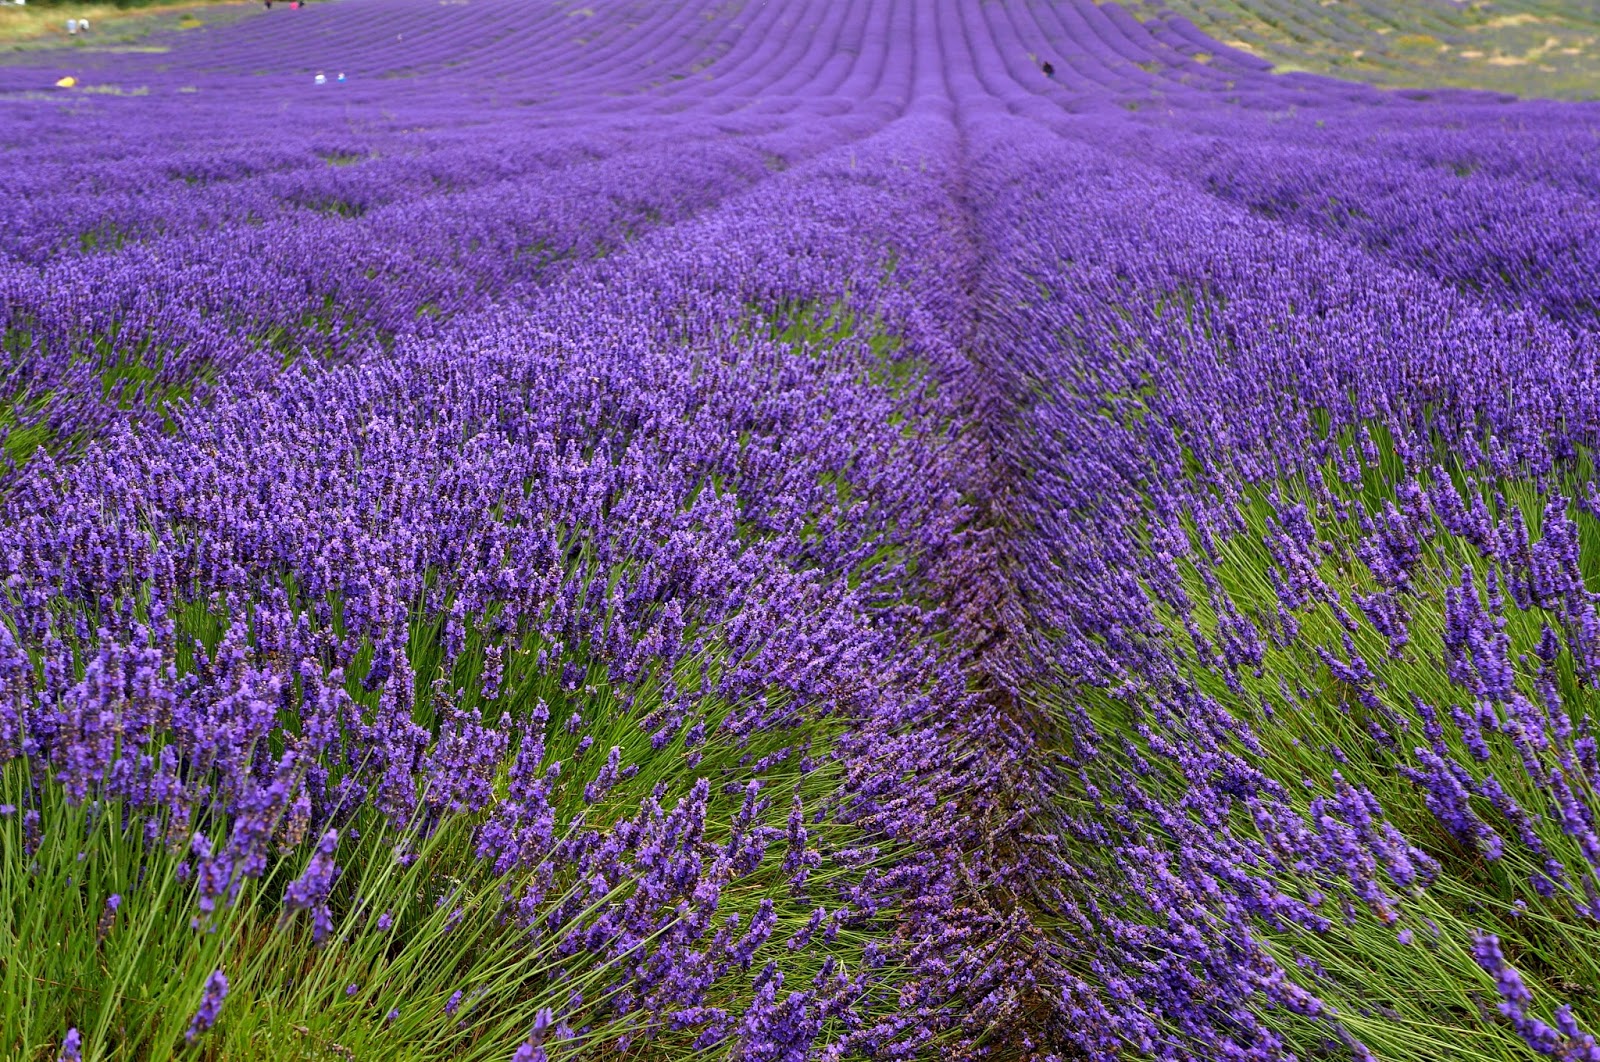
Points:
(1297, 401)
(790, 533)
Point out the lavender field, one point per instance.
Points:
(823, 529)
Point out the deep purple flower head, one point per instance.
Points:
(211, 997)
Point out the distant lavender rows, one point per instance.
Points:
(525, 284)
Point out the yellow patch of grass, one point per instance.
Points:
(1418, 41)
(1506, 21)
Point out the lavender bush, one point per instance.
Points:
(672, 530)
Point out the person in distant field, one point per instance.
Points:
(72, 27)
(83, 25)
(1049, 71)
(268, 3)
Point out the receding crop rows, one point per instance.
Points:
(773, 531)
(132, 285)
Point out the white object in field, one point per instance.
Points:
(72, 27)
(320, 79)
(83, 25)
(341, 76)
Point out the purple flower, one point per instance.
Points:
(309, 892)
(108, 916)
(211, 997)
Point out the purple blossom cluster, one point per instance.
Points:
(813, 534)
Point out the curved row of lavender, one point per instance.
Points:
(785, 531)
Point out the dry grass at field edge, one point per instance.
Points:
(35, 26)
